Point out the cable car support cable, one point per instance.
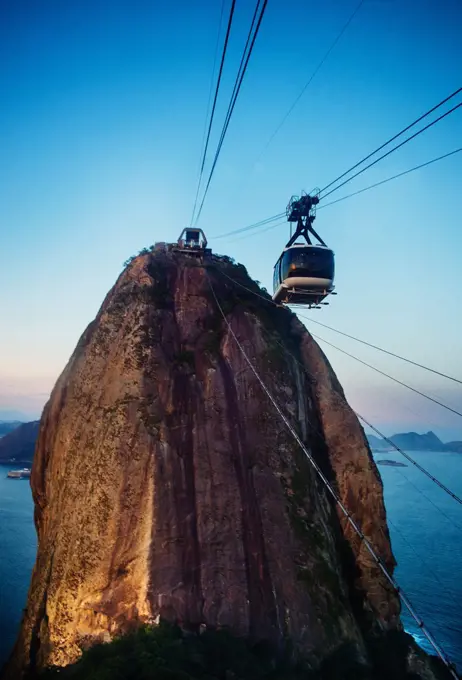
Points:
(241, 65)
(424, 495)
(384, 181)
(378, 560)
(201, 163)
(232, 104)
(261, 223)
(387, 375)
(255, 225)
(395, 148)
(411, 460)
(392, 139)
(395, 446)
(381, 349)
(239, 73)
(225, 46)
(257, 233)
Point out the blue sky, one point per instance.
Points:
(100, 131)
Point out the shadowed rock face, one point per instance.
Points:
(166, 485)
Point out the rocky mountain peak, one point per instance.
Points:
(167, 487)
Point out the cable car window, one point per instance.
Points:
(192, 235)
(308, 262)
(276, 275)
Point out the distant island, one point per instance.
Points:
(454, 446)
(8, 425)
(19, 444)
(391, 463)
(412, 441)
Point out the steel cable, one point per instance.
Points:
(392, 139)
(378, 560)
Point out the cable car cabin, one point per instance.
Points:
(304, 274)
(192, 238)
(193, 241)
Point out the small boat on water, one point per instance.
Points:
(19, 474)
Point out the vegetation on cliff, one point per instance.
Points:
(165, 652)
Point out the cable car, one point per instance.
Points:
(304, 273)
(192, 238)
(193, 241)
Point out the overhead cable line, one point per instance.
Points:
(311, 78)
(426, 472)
(381, 349)
(422, 493)
(203, 145)
(268, 299)
(234, 96)
(384, 181)
(243, 58)
(411, 460)
(392, 139)
(387, 375)
(398, 146)
(225, 46)
(257, 233)
(280, 215)
(349, 517)
(255, 225)
(352, 356)
(261, 223)
(241, 65)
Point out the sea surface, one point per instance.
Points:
(425, 526)
(426, 531)
(18, 544)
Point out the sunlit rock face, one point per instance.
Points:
(167, 486)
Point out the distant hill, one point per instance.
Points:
(19, 444)
(453, 446)
(412, 441)
(8, 425)
(418, 442)
(378, 444)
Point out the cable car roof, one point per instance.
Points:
(314, 246)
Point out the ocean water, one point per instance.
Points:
(18, 544)
(426, 530)
(425, 526)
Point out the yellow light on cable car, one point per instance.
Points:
(293, 266)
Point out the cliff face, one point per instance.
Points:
(166, 485)
(19, 444)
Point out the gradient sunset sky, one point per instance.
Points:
(101, 124)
